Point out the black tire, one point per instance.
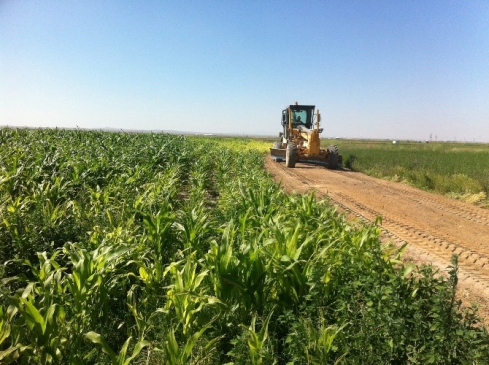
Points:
(333, 157)
(291, 155)
(277, 144)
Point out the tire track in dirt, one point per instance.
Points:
(471, 213)
(434, 227)
(441, 247)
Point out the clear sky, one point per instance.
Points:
(375, 69)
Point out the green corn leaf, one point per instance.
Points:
(12, 353)
(4, 329)
(122, 353)
(172, 349)
(98, 339)
(143, 274)
(137, 349)
(33, 316)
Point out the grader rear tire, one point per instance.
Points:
(333, 157)
(291, 155)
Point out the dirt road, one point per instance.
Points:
(434, 227)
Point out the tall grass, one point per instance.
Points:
(157, 249)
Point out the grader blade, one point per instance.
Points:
(277, 154)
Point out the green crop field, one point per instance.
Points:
(119, 248)
(457, 170)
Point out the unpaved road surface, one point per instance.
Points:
(435, 227)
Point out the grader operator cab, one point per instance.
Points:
(300, 140)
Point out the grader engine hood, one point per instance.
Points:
(314, 143)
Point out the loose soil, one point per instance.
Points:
(433, 226)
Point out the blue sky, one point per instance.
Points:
(375, 69)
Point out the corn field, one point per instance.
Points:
(120, 248)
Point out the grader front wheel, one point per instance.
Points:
(291, 155)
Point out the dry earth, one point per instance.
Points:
(434, 227)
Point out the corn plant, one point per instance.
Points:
(151, 248)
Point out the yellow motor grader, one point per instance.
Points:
(300, 140)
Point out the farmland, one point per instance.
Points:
(158, 249)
